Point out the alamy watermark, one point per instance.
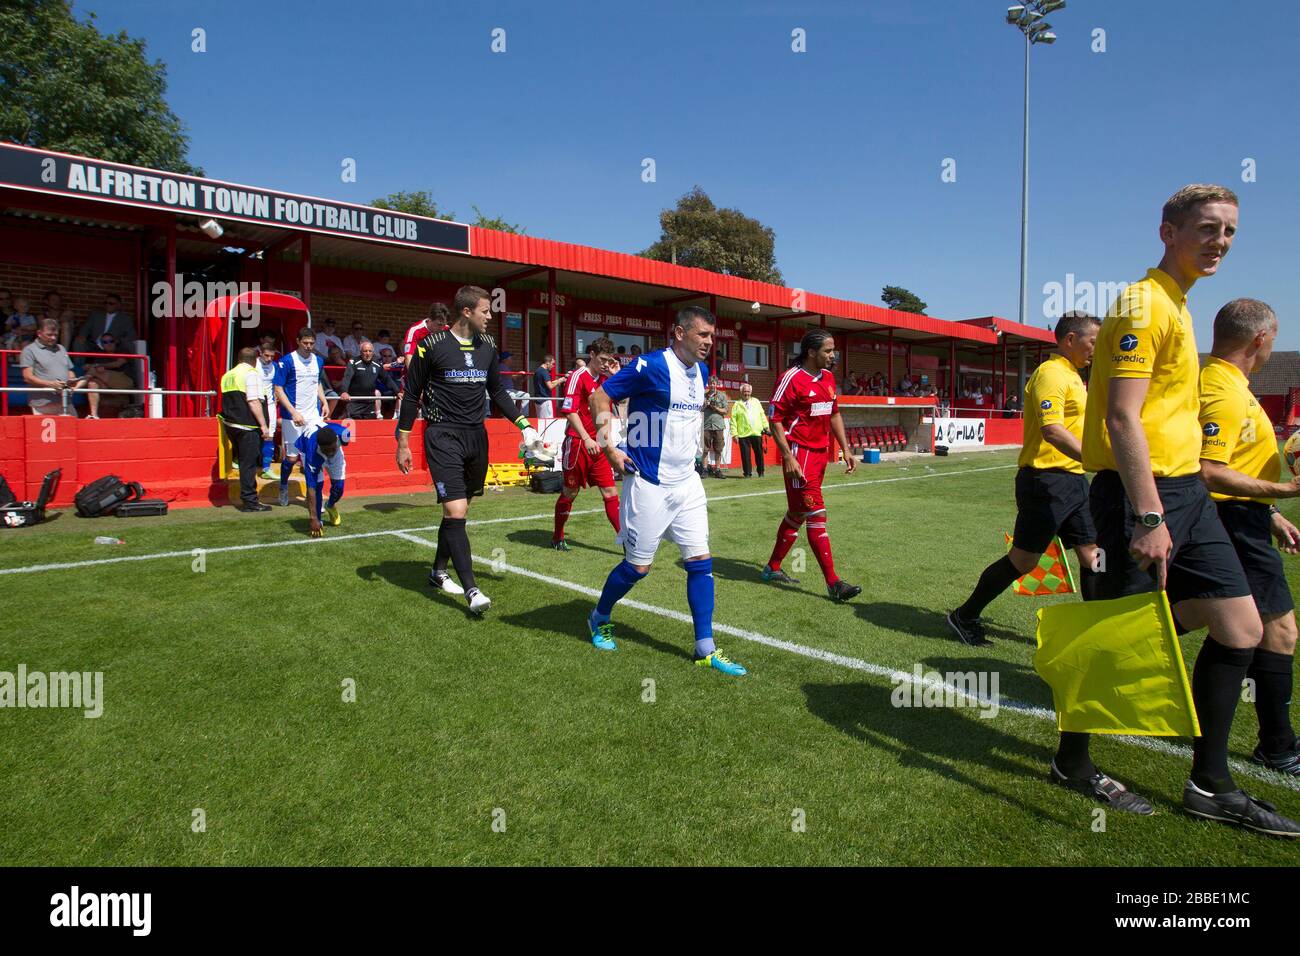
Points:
(79, 690)
(181, 299)
(978, 689)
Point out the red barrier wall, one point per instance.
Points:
(176, 459)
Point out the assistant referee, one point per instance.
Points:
(1240, 465)
(446, 375)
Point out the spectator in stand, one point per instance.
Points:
(110, 319)
(1013, 403)
(52, 308)
(544, 382)
(385, 352)
(715, 425)
(749, 425)
(46, 364)
(359, 382)
(352, 344)
(21, 322)
(328, 339)
(623, 357)
(107, 374)
(878, 384)
(905, 383)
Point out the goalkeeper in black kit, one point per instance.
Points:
(447, 375)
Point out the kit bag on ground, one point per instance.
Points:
(104, 495)
(546, 482)
(21, 514)
(143, 508)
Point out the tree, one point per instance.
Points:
(900, 300)
(65, 86)
(496, 222)
(698, 233)
(414, 203)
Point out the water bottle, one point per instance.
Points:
(106, 539)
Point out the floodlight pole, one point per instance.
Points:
(1024, 199)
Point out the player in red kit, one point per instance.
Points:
(805, 414)
(583, 459)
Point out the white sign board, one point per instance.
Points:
(959, 432)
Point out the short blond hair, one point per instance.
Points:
(1180, 205)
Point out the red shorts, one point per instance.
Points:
(805, 495)
(582, 470)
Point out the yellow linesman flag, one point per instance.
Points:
(1115, 667)
(1052, 575)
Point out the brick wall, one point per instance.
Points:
(82, 289)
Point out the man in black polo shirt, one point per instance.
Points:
(359, 380)
(446, 376)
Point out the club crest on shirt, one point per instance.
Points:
(1046, 404)
(469, 360)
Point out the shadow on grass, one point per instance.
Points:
(925, 622)
(541, 538)
(413, 576)
(935, 739)
(388, 507)
(570, 620)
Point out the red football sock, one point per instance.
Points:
(563, 505)
(611, 512)
(820, 543)
(787, 532)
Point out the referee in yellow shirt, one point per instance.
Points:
(1240, 465)
(1051, 491)
(1156, 524)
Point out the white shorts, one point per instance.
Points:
(649, 513)
(289, 432)
(544, 410)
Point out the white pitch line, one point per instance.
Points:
(225, 549)
(1156, 744)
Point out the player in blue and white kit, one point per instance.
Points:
(301, 397)
(663, 496)
(321, 448)
(266, 369)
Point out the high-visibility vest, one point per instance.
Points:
(235, 410)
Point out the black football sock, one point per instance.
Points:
(441, 555)
(1216, 687)
(1072, 757)
(458, 547)
(1271, 673)
(1088, 579)
(997, 577)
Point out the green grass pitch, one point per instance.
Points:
(510, 740)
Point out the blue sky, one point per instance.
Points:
(838, 149)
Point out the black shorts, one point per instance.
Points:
(1204, 564)
(1247, 524)
(1051, 502)
(457, 459)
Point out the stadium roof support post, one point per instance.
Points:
(889, 362)
(713, 310)
(305, 248)
(952, 371)
(552, 319)
(172, 331)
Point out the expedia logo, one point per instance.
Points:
(1211, 429)
(1046, 404)
(1128, 343)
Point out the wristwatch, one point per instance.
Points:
(1272, 509)
(1152, 519)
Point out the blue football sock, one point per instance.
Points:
(336, 492)
(268, 452)
(618, 583)
(286, 469)
(699, 595)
